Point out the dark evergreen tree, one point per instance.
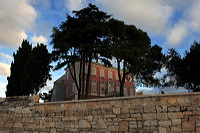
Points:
(134, 55)
(29, 71)
(79, 39)
(184, 71)
(15, 81)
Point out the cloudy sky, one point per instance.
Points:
(169, 23)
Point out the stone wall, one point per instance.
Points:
(152, 114)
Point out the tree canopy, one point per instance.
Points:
(131, 48)
(29, 70)
(91, 34)
(79, 39)
(184, 71)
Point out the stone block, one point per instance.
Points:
(123, 126)
(162, 130)
(125, 110)
(174, 109)
(26, 110)
(162, 116)
(165, 123)
(18, 109)
(101, 124)
(84, 124)
(18, 125)
(116, 110)
(149, 116)
(176, 129)
(59, 125)
(176, 122)
(176, 115)
(112, 128)
(149, 123)
(188, 126)
(171, 101)
(149, 109)
(110, 116)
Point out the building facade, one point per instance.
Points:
(104, 82)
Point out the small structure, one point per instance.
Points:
(104, 82)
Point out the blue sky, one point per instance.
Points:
(169, 23)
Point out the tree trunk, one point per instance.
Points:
(88, 78)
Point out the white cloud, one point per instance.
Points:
(38, 39)
(16, 18)
(5, 58)
(4, 69)
(194, 14)
(152, 16)
(178, 33)
(74, 4)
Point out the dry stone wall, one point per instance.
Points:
(151, 114)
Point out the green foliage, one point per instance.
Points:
(79, 39)
(46, 97)
(91, 34)
(29, 71)
(131, 48)
(184, 71)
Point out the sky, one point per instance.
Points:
(169, 23)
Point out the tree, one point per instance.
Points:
(29, 71)
(184, 71)
(79, 39)
(15, 81)
(134, 55)
(46, 96)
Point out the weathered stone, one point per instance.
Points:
(150, 116)
(165, 123)
(18, 109)
(125, 110)
(53, 130)
(162, 130)
(101, 124)
(175, 115)
(171, 100)
(150, 123)
(176, 122)
(162, 116)
(18, 125)
(123, 126)
(113, 128)
(84, 124)
(26, 110)
(188, 126)
(176, 129)
(116, 110)
(110, 116)
(59, 125)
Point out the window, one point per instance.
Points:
(93, 86)
(67, 89)
(110, 86)
(101, 73)
(125, 91)
(110, 74)
(73, 87)
(102, 87)
(93, 71)
(131, 91)
(118, 88)
(116, 75)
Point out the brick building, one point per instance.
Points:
(104, 82)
